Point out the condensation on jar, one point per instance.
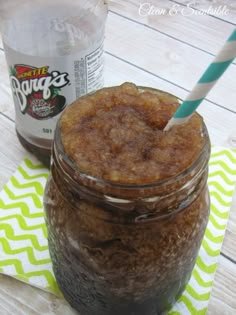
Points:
(121, 248)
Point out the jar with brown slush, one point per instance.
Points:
(126, 203)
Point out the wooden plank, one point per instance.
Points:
(230, 236)
(1, 44)
(6, 101)
(216, 4)
(230, 241)
(167, 57)
(117, 72)
(9, 126)
(19, 298)
(11, 152)
(232, 221)
(223, 298)
(208, 29)
(16, 297)
(8, 164)
(173, 59)
(201, 31)
(13, 303)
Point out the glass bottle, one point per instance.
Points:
(54, 52)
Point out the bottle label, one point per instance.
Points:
(42, 87)
(37, 90)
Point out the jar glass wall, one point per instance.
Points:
(124, 249)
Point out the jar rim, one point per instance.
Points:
(76, 174)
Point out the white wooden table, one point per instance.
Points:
(165, 51)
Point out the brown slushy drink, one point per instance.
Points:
(126, 203)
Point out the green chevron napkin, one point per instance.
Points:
(23, 241)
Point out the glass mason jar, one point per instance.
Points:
(124, 249)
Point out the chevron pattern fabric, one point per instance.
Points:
(221, 182)
(23, 236)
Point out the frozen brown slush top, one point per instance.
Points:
(116, 134)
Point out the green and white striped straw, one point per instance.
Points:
(206, 83)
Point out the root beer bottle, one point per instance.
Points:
(54, 52)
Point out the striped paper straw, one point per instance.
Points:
(206, 83)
